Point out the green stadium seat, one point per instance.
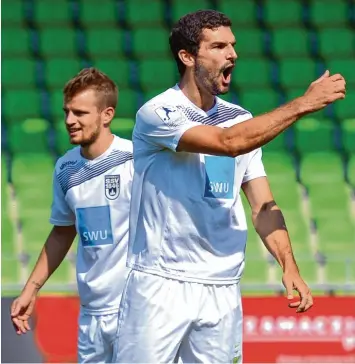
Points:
(12, 13)
(141, 12)
(15, 41)
(127, 103)
(344, 109)
(182, 7)
(313, 135)
(277, 145)
(348, 135)
(57, 103)
(117, 69)
(229, 97)
(62, 141)
(291, 75)
(93, 13)
(59, 71)
(280, 13)
(328, 13)
(104, 42)
(351, 170)
(28, 136)
(259, 101)
(249, 42)
(52, 13)
(251, 73)
(346, 67)
(240, 13)
(157, 73)
(18, 72)
(58, 41)
(122, 127)
(336, 42)
(152, 92)
(143, 47)
(22, 103)
(290, 42)
(318, 167)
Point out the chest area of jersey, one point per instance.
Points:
(222, 176)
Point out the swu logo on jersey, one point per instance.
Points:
(94, 225)
(112, 186)
(219, 177)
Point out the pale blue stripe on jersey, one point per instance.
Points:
(76, 175)
(223, 114)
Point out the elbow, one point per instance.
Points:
(234, 146)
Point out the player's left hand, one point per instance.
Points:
(293, 282)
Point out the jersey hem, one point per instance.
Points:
(220, 281)
(61, 223)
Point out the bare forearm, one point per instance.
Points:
(271, 227)
(51, 256)
(246, 136)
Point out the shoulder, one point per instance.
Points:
(233, 108)
(123, 145)
(69, 159)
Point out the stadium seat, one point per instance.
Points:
(57, 103)
(18, 72)
(258, 101)
(348, 135)
(62, 141)
(313, 135)
(105, 42)
(182, 7)
(12, 13)
(127, 103)
(336, 42)
(56, 13)
(344, 66)
(157, 73)
(291, 75)
(290, 42)
(351, 170)
(22, 103)
(92, 13)
(331, 12)
(157, 48)
(28, 136)
(122, 127)
(241, 13)
(116, 68)
(15, 41)
(344, 109)
(249, 42)
(58, 41)
(252, 73)
(141, 12)
(280, 13)
(59, 71)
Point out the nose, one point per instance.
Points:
(69, 119)
(232, 54)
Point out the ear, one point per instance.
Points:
(186, 58)
(107, 115)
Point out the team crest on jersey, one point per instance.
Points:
(112, 186)
(171, 115)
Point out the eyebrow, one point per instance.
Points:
(65, 109)
(223, 43)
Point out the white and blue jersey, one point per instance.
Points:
(187, 220)
(95, 196)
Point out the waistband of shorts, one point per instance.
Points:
(96, 312)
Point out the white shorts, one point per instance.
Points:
(165, 320)
(96, 338)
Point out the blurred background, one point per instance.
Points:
(283, 45)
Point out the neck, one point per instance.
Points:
(100, 145)
(202, 99)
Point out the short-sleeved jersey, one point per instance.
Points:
(187, 221)
(95, 196)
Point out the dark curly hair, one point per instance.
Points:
(186, 33)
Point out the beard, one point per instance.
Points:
(207, 80)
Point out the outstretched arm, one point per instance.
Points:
(270, 224)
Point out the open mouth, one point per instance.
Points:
(227, 74)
